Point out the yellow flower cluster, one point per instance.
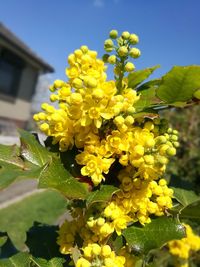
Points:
(136, 201)
(183, 248)
(97, 117)
(141, 147)
(95, 255)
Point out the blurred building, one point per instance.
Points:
(20, 68)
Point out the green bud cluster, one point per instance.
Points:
(121, 45)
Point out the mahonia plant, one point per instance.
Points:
(118, 146)
(97, 116)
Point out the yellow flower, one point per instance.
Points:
(182, 248)
(94, 167)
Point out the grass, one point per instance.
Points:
(16, 219)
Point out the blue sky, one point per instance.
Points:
(169, 30)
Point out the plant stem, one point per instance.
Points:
(121, 75)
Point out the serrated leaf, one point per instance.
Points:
(12, 166)
(55, 176)
(185, 197)
(139, 76)
(31, 150)
(55, 262)
(153, 235)
(104, 194)
(179, 84)
(21, 259)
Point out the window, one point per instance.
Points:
(10, 72)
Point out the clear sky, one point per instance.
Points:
(169, 30)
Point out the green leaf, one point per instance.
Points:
(116, 242)
(104, 194)
(147, 99)
(179, 84)
(149, 84)
(153, 235)
(21, 259)
(139, 76)
(185, 197)
(55, 262)
(12, 166)
(192, 211)
(55, 176)
(31, 150)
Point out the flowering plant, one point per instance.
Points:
(106, 151)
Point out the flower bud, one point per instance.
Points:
(176, 144)
(162, 182)
(58, 83)
(52, 88)
(84, 49)
(105, 58)
(113, 34)
(174, 137)
(71, 59)
(175, 132)
(77, 83)
(78, 53)
(129, 67)
(90, 82)
(96, 249)
(171, 151)
(44, 127)
(134, 52)
(161, 139)
(129, 120)
(149, 125)
(92, 53)
(54, 97)
(169, 130)
(197, 94)
(134, 39)
(112, 59)
(123, 51)
(76, 99)
(108, 49)
(108, 43)
(119, 120)
(100, 221)
(125, 35)
(106, 251)
(162, 160)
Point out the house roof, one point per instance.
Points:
(20, 45)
